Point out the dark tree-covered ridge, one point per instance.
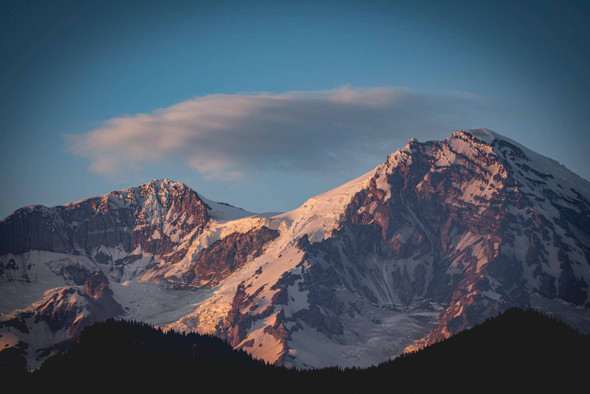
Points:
(519, 351)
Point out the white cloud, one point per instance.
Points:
(226, 136)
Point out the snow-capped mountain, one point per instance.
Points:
(441, 236)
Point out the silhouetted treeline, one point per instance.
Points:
(519, 351)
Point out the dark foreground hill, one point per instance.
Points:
(519, 351)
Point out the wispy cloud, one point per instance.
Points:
(225, 136)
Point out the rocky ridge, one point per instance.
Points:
(438, 238)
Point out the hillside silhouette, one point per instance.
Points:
(518, 351)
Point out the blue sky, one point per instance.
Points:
(285, 100)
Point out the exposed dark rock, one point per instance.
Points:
(222, 258)
(281, 334)
(34, 228)
(129, 218)
(16, 323)
(327, 325)
(469, 226)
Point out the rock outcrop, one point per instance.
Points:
(438, 238)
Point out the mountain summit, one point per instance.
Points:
(438, 238)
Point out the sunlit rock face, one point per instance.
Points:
(438, 238)
(54, 322)
(115, 230)
(58, 265)
(476, 223)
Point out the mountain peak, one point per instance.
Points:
(161, 189)
(485, 135)
(164, 183)
(438, 238)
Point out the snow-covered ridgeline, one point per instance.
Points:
(441, 232)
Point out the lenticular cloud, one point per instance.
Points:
(224, 135)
